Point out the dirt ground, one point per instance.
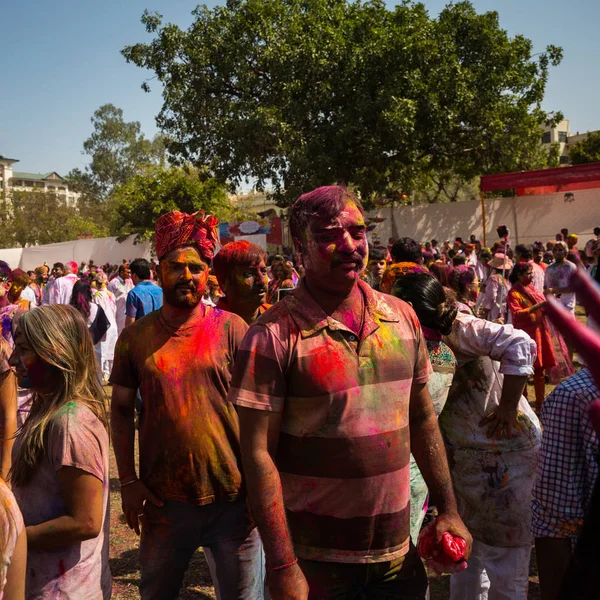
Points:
(197, 583)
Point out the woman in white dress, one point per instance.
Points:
(102, 297)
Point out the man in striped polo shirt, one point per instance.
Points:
(331, 390)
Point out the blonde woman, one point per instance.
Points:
(60, 458)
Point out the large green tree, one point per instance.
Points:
(137, 204)
(586, 151)
(31, 218)
(117, 150)
(300, 93)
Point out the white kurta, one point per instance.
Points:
(493, 479)
(120, 288)
(105, 349)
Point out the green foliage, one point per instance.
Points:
(444, 187)
(118, 150)
(586, 151)
(29, 218)
(301, 93)
(138, 203)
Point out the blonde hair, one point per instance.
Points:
(58, 334)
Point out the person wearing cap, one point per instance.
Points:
(493, 305)
(189, 492)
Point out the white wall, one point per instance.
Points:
(529, 218)
(100, 250)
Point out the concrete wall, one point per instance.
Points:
(100, 250)
(529, 218)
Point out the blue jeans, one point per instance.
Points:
(174, 532)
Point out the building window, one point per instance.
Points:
(563, 137)
(564, 160)
(547, 137)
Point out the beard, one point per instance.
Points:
(190, 300)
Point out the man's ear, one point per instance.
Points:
(224, 286)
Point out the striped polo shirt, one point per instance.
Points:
(344, 447)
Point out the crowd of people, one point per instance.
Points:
(301, 417)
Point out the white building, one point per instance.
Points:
(26, 182)
(562, 136)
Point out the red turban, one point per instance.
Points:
(175, 229)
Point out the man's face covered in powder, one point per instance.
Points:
(183, 275)
(248, 283)
(335, 252)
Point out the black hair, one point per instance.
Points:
(407, 250)
(485, 255)
(427, 296)
(524, 252)
(81, 297)
(518, 270)
(459, 260)
(377, 253)
(596, 230)
(141, 268)
(434, 242)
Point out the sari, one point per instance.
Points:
(552, 353)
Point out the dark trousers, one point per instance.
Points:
(401, 579)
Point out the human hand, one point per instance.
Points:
(499, 321)
(133, 498)
(287, 584)
(501, 421)
(452, 523)
(583, 339)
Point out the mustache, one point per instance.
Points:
(357, 258)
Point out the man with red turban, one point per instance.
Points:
(189, 492)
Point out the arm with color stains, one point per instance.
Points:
(83, 497)
(8, 419)
(259, 434)
(134, 493)
(428, 449)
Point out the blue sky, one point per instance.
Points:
(61, 62)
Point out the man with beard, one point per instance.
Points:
(189, 492)
(376, 266)
(241, 271)
(331, 391)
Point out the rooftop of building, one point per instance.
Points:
(35, 176)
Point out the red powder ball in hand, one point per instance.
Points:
(447, 556)
(454, 547)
